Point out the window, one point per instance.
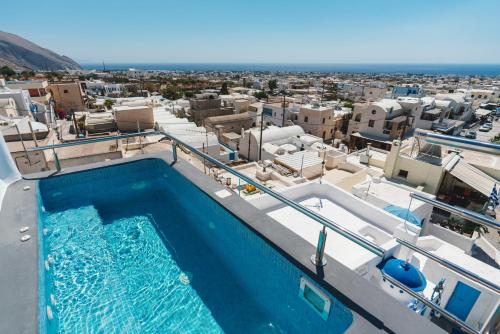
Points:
(357, 118)
(267, 111)
(324, 134)
(371, 123)
(65, 91)
(403, 173)
(306, 119)
(323, 121)
(374, 112)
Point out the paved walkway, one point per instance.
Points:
(19, 261)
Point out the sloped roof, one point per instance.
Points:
(298, 160)
(471, 175)
(228, 118)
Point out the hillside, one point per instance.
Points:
(21, 55)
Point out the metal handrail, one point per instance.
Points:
(464, 213)
(311, 214)
(370, 246)
(359, 240)
(464, 272)
(93, 140)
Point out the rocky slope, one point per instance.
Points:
(23, 55)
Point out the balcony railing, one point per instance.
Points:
(327, 223)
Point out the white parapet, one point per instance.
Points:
(8, 170)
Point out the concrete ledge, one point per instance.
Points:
(19, 260)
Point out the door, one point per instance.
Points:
(462, 300)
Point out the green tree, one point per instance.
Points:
(6, 71)
(470, 228)
(260, 95)
(348, 104)
(108, 103)
(496, 139)
(224, 90)
(171, 93)
(272, 84)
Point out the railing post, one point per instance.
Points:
(56, 160)
(318, 259)
(24, 146)
(174, 150)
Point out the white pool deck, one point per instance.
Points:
(338, 247)
(384, 193)
(392, 194)
(251, 170)
(344, 209)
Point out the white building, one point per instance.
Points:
(460, 107)
(249, 143)
(273, 113)
(99, 87)
(191, 134)
(8, 107)
(484, 95)
(22, 98)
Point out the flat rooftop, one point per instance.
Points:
(338, 247)
(342, 208)
(392, 194)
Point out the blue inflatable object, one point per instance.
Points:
(405, 273)
(404, 214)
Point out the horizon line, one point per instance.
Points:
(278, 63)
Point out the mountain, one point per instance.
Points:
(23, 55)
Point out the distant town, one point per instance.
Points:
(305, 125)
(369, 141)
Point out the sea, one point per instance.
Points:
(416, 69)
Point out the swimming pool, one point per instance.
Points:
(138, 248)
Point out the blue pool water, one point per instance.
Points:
(137, 248)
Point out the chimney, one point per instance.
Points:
(392, 159)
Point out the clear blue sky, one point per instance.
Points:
(261, 31)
